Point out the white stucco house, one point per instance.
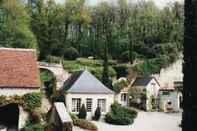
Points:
(84, 88)
(19, 75)
(151, 86)
(123, 96)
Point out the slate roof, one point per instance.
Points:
(83, 82)
(18, 68)
(62, 112)
(142, 81)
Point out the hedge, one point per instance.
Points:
(120, 115)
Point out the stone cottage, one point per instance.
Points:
(19, 75)
(84, 88)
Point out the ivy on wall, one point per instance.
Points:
(29, 101)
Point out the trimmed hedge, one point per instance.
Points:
(120, 115)
(82, 112)
(97, 114)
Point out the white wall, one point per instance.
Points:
(168, 75)
(109, 100)
(118, 98)
(16, 91)
(152, 89)
(173, 97)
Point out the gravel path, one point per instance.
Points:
(146, 121)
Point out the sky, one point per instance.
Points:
(159, 3)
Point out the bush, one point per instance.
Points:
(32, 100)
(82, 112)
(120, 115)
(121, 70)
(97, 114)
(119, 85)
(83, 123)
(124, 57)
(33, 127)
(53, 59)
(71, 53)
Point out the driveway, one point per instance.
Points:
(146, 121)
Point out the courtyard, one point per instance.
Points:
(146, 121)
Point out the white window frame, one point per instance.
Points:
(102, 104)
(76, 104)
(124, 97)
(89, 104)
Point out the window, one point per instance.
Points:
(89, 104)
(165, 93)
(76, 104)
(102, 104)
(124, 97)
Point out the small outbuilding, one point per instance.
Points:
(84, 88)
(151, 87)
(170, 100)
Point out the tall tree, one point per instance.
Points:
(190, 67)
(15, 22)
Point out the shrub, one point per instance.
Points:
(124, 57)
(82, 112)
(120, 119)
(120, 115)
(32, 100)
(121, 70)
(83, 123)
(33, 127)
(119, 85)
(71, 53)
(97, 114)
(53, 59)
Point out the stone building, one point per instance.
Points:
(19, 75)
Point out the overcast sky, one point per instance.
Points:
(159, 3)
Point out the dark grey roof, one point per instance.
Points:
(142, 81)
(85, 82)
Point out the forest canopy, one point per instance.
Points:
(128, 32)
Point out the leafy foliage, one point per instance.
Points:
(32, 100)
(119, 85)
(71, 53)
(123, 32)
(120, 115)
(83, 123)
(14, 26)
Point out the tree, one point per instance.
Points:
(39, 25)
(97, 114)
(82, 112)
(15, 22)
(189, 68)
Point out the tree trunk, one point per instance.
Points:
(189, 119)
